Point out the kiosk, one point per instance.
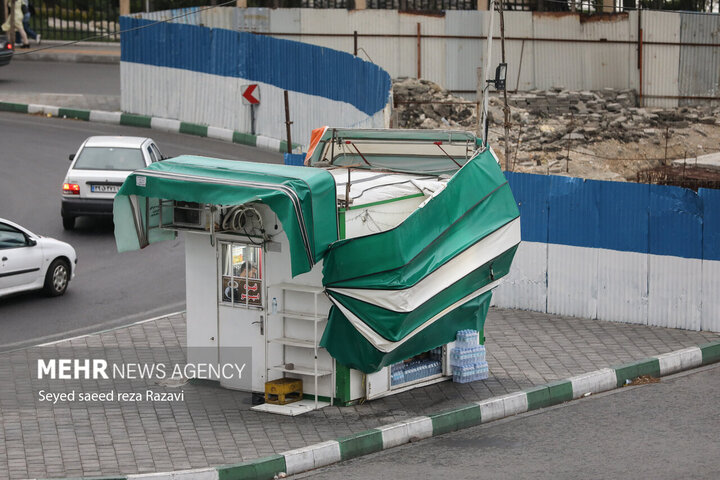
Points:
(352, 273)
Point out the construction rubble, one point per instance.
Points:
(590, 134)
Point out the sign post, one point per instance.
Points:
(251, 96)
(288, 123)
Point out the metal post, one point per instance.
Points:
(506, 109)
(640, 59)
(355, 38)
(479, 98)
(487, 69)
(252, 119)
(419, 52)
(288, 123)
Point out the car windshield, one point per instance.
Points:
(109, 158)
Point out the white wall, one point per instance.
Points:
(602, 284)
(214, 100)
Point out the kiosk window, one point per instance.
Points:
(241, 275)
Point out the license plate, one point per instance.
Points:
(104, 188)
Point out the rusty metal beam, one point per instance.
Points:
(484, 37)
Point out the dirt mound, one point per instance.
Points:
(590, 134)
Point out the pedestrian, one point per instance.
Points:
(17, 18)
(28, 11)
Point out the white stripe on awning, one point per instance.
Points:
(387, 346)
(409, 299)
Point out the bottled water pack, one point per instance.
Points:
(414, 370)
(471, 372)
(467, 355)
(467, 338)
(468, 358)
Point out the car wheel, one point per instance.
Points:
(68, 223)
(57, 278)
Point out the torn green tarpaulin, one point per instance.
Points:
(393, 287)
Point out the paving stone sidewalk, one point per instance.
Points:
(107, 103)
(215, 426)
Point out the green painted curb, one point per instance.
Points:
(135, 120)
(710, 352)
(244, 139)
(455, 419)
(259, 469)
(360, 444)
(193, 129)
(560, 391)
(538, 397)
(629, 371)
(13, 107)
(143, 121)
(74, 113)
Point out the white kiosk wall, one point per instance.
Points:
(213, 321)
(201, 299)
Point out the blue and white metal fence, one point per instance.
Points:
(627, 252)
(196, 74)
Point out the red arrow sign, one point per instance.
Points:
(251, 94)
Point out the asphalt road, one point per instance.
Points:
(667, 430)
(110, 289)
(59, 77)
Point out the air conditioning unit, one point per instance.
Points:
(188, 214)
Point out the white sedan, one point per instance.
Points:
(97, 172)
(33, 262)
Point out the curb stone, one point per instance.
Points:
(476, 413)
(157, 123)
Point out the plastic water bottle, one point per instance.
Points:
(274, 306)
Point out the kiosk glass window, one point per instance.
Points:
(241, 275)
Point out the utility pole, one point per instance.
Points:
(488, 57)
(506, 109)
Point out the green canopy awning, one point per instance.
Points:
(303, 199)
(409, 289)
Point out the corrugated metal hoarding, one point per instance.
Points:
(625, 252)
(597, 52)
(660, 62)
(196, 74)
(711, 259)
(699, 73)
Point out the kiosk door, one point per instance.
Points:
(241, 311)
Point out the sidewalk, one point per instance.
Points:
(59, 51)
(215, 426)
